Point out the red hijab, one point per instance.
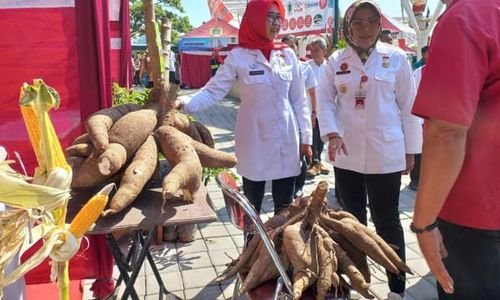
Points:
(252, 33)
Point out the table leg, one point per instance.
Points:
(122, 266)
(131, 252)
(138, 263)
(154, 268)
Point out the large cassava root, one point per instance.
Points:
(121, 145)
(135, 177)
(99, 123)
(180, 154)
(320, 244)
(131, 130)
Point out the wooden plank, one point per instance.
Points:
(148, 210)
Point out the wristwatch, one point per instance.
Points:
(422, 230)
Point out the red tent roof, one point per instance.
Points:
(387, 24)
(213, 28)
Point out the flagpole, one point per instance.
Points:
(337, 22)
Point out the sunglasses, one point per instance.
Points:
(274, 18)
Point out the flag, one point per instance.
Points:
(219, 10)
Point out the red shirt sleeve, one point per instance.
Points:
(456, 71)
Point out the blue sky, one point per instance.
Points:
(198, 12)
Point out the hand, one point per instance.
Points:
(178, 105)
(410, 162)
(431, 244)
(335, 147)
(313, 120)
(306, 150)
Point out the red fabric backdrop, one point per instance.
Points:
(38, 43)
(84, 265)
(195, 69)
(68, 47)
(94, 54)
(126, 68)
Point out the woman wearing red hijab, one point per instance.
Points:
(274, 109)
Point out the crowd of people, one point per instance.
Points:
(143, 75)
(362, 103)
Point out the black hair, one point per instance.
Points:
(385, 31)
(424, 49)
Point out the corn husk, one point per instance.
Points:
(42, 202)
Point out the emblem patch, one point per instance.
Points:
(343, 88)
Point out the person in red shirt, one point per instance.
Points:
(459, 97)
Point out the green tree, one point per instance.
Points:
(170, 8)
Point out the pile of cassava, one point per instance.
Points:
(121, 145)
(320, 245)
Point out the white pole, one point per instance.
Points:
(422, 36)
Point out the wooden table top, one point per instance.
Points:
(148, 210)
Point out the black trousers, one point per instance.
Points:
(415, 172)
(318, 145)
(171, 78)
(473, 262)
(282, 190)
(300, 180)
(383, 195)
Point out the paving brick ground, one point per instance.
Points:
(189, 270)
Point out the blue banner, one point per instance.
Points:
(208, 43)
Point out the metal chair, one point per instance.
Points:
(244, 216)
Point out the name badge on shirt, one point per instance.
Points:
(343, 72)
(258, 72)
(385, 62)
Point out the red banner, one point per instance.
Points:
(219, 10)
(305, 17)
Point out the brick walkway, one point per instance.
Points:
(188, 270)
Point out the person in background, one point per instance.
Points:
(136, 62)
(172, 76)
(457, 209)
(385, 36)
(178, 68)
(215, 62)
(310, 85)
(273, 127)
(146, 71)
(418, 72)
(415, 172)
(365, 96)
(423, 60)
(317, 63)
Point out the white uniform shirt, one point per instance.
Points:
(317, 69)
(310, 81)
(379, 135)
(417, 75)
(171, 62)
(273, 110)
